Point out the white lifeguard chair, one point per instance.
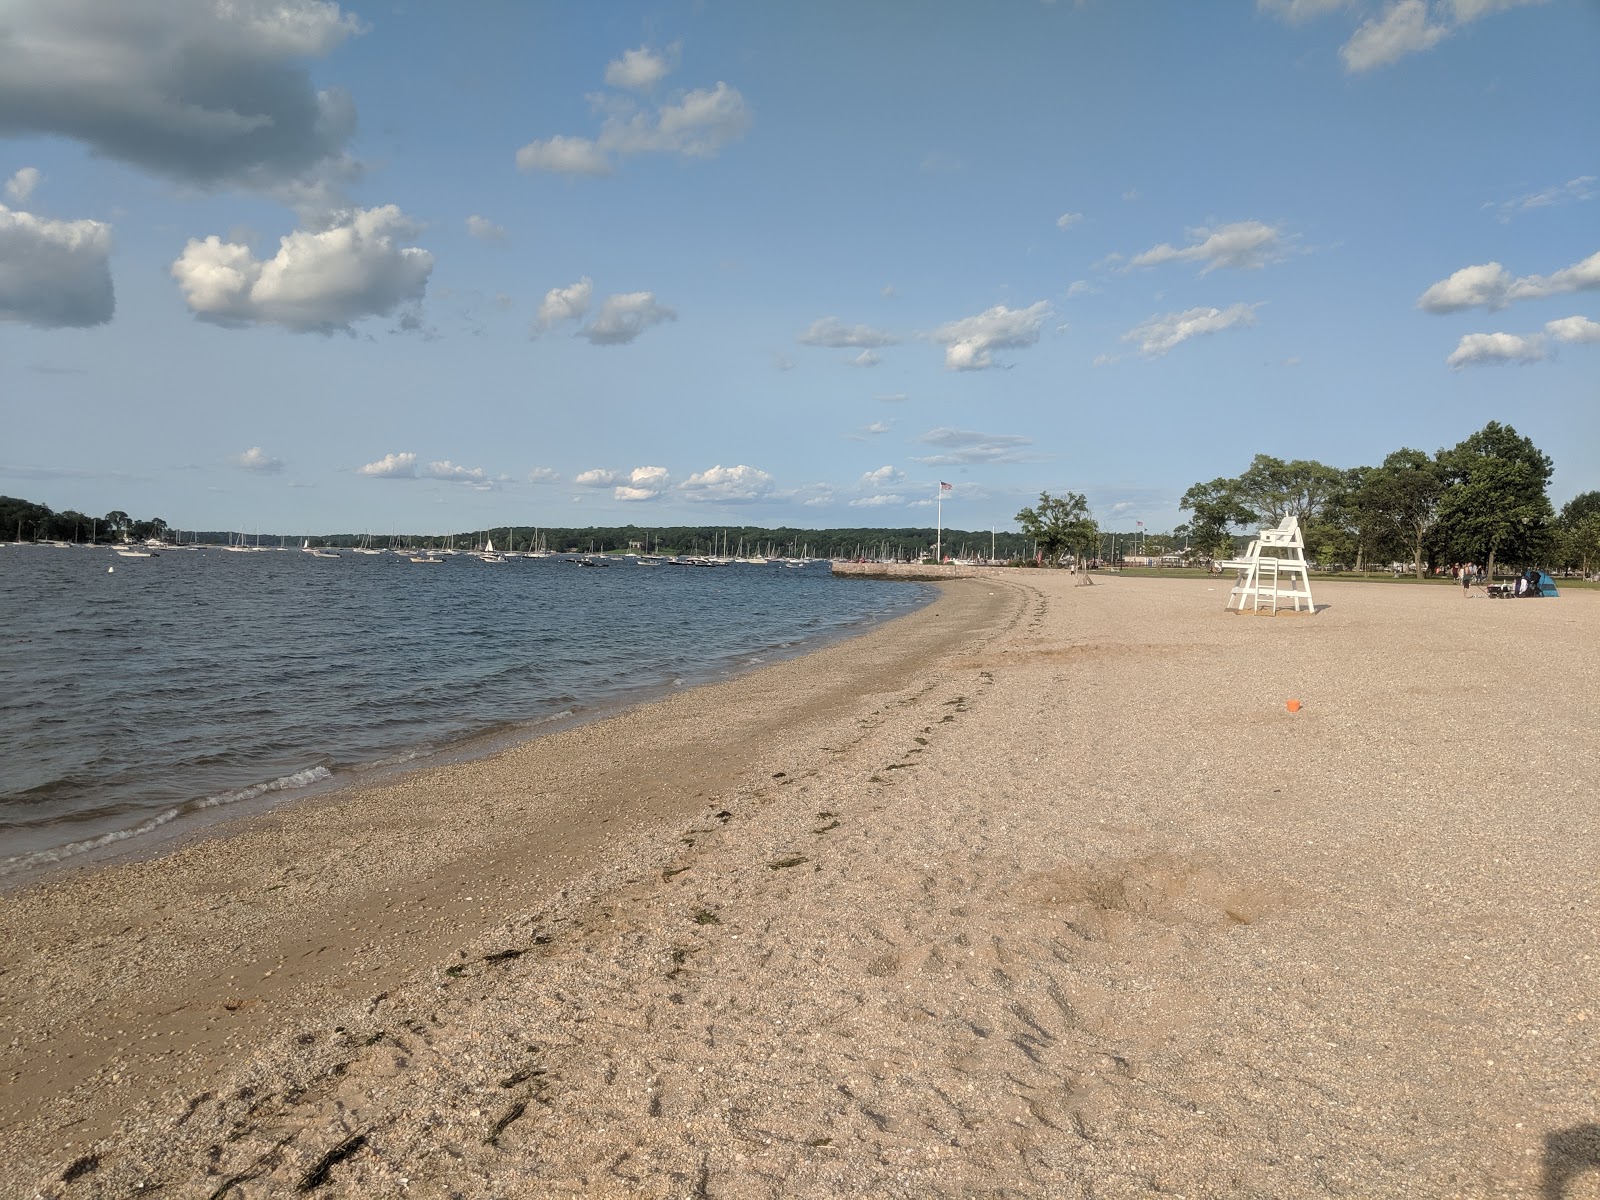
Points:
(1273, 571)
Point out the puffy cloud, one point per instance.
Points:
(20, 186)
(883, 477)
(1080, 287)
(1471, 10)
(728, 485)
(867, 358)
(566, 304)
(445, 469)
(697, 124)
(832, 332)
(1248, 245)
(203, 91)
(878, 427)
(877, 501)
(1574, 329)
(484, 229)
(1403, 29)
(624, 317)
(1296, 11)
(564, 156)
(1574, 191)
(969, 341)
(599, 477)
(639, 70)
(391, 466)
(255, 459)
(544, 475)
(1492, 287)
(1477, 349)
(1160, 334)
(317, 282)
(1068, 219)
(958, 447)
(1486, 285)
(644, 483)
(54, 274)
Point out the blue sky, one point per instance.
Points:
(292, 265)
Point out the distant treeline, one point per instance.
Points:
(25, 521)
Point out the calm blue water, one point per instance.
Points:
(135, 702)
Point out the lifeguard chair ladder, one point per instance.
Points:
(1273, 570)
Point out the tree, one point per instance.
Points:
(1402, 499)
(1494, 505)
(1059, 524)
(1579, 525)
(1269, 490)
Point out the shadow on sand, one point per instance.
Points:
(1568, 1153)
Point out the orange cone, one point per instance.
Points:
(1293, 706)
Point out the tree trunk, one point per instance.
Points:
(1416, 552)
(1489, 569)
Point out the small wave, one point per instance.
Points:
(55, 854)
(299, 779)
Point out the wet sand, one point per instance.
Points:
(1038, 891)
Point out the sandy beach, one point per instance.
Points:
(1038, 891)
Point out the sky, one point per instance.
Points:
(294, 265)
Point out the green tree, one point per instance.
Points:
(1494, 504)
(1579, 526)
(1401, 497)
(1059, 524)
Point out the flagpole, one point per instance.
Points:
(938, 536)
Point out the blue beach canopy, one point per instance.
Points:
(1547, 586)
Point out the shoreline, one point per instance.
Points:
(163, 830)
(253, 975)
(1040, 890)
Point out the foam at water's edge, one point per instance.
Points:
(55, 854)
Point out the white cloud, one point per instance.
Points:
(20, 186)
(256, 459)
(544, 475)
(878, 501)
(883, 477)
(894, 398)
(1492, 287)
(392, 466)
(1574, 329)
(969, 341)
(878, 427)
(1080, 287)
(624, 317)
(1068, 219)
(1403, 29)
(1574, 191)
(697, 124)
(1160, 334)
(1472, 10)
(317, 282)
(867, 358)
(1247, 245)
(566, 304)
(445, 469)
(599, 477)
(1296, 11)
(564, 156)
(728, 485)
(204, 91)
(484, 229)
(1485, 284)
(959, 447)
(638, 70)
(832, 332)
(644, 483)
(54, 274)
(1477, 349)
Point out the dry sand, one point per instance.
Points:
(1039, 891)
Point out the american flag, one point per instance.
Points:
(945, 487)
(1140, 524)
